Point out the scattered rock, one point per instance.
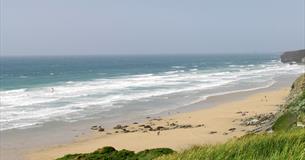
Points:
(173, 124)
(232, 129)
(156, 119)
(199, 125)
(147, 126)
(186, 126)
(135, 122)
(225, 133)
(101, 129)
(125, 130)
(94, 128)
(159, 128)
(212, 132)
(258, 119)
(120, 126)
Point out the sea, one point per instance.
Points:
(37, 90)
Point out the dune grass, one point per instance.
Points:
(276, 146)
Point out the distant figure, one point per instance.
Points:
(52, 90)
(158, 133)
(266, 98)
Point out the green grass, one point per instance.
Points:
(285, 122)
(276, 146)
(110, 153)
(295, 112)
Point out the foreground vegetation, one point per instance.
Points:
(110, 153)
(275, 146)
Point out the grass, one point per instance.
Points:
(276, 146)
(110, 153)
(285, 122)
(295, 112)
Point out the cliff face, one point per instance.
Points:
(293, 56)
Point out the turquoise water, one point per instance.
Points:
(35, 90)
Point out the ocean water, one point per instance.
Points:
(36, 90)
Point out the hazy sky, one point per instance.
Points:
(41, 27)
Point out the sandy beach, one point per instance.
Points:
(211, 125)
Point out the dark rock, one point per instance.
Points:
(94, 127)
(293, 56)
(157, 119)
(135, 122)
(147, 126)
(213, 132)
(200, 125)
(160, 128)
(232, 129)
(120, 126)
(173, 124)
(186, 126)
(101, 129)
(125, 130)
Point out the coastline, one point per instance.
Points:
(219, 118)
(50, 135)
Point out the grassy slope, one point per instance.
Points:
(294, 110)
(290, 145)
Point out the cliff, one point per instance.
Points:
(293, 112)
(293, 56)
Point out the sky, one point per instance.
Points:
(81, 27)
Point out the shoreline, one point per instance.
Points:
(219, 119)
(15, 146)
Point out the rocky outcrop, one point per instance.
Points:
(293, 56)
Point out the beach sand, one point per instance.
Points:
(216, 120)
